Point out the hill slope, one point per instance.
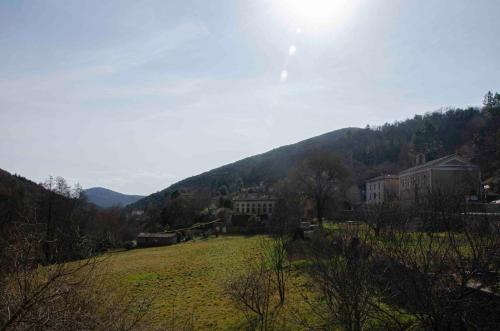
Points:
(103, 197)
(17, 192)
(367, 152)
(266, 167)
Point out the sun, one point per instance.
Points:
(315, 13)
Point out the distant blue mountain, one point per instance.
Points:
(103, 197)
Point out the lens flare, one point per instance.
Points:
(284, 75)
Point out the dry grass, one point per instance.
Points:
(190, 274)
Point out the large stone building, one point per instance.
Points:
(382, 189)
(253, 203)
(451, 174)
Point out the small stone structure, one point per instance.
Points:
(156, 239)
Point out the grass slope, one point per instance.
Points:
(191, 273)
(190, 277)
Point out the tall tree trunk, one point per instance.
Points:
(49, 235)
(319, 211)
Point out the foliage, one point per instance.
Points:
(70, 227)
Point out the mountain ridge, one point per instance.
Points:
(273, 164)
(369, 151)
(104, 197)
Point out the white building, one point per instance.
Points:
(253, 204)
(382, 188)
(450, 174)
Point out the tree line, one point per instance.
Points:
(430, 265)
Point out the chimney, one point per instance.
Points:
(420, 159)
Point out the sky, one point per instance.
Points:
(136, 95)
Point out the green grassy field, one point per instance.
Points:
(191, 274)
(187, 281)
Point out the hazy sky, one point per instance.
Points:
(135, 95)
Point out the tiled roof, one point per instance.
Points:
(155, 235)
(383, 177)
(252, 196)
(433, 163)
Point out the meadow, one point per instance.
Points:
(186, 280)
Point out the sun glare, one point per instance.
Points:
(316, 13)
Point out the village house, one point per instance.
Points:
(382, 189)
(450, 174)
(156, 239)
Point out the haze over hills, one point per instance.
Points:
(269, 166)
(368, 152)
(99, 196)
(105, 198)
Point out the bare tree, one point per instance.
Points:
(59, 296)
(380, 216)
(260, 292)
(445, 274)
(288, 208)
(320, 178)
(349, 293)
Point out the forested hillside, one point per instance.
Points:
(472, 132)
(60, 221)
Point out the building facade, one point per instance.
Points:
(260, 204)
(451, 174)
(382, 189)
